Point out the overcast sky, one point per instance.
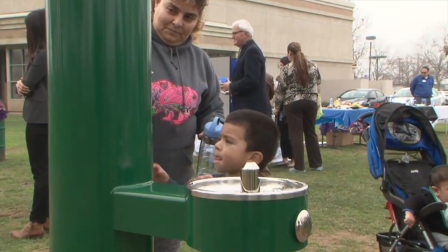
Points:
(400, 24)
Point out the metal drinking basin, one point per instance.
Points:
(270, 216)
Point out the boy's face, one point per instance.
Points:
(441, 191)
(230, 151)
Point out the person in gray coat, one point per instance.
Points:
(185, 92)
(34, 86)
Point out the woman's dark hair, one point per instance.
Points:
(285, 60)
(300, 64)
(36, 34)
(201, 4)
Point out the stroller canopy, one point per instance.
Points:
(398, 127)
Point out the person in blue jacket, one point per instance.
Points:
(422, 85)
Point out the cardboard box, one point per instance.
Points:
(339, 138)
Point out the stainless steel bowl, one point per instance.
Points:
(229, 188)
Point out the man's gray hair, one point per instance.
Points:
(245, 26)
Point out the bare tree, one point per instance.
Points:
(383, 68)
(434, 56)
(402, 70)
(406, 68)
(359, 47)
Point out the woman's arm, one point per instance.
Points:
(281, 89)
(37, 71)
(316, 78)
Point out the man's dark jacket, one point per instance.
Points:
(270, 87)
(248, 87)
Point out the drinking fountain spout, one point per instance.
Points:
(250, 183)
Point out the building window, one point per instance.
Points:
(17, 65)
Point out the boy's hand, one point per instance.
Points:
(409, 219)
(204, 177)
(159, 174)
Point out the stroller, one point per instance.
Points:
(406, 131)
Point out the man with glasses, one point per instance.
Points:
(248, 82)
(421, 87)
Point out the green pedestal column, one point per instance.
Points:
(100, 118)
(2, 140)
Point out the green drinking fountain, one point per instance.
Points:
(102, 197)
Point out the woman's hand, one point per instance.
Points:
(159, 174)
(207, 176)
(21, 88)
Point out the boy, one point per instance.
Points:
(437, 222)
(247, 135)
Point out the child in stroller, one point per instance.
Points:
(437, 222)
(405, 130)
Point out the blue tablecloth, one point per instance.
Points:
(343, 116)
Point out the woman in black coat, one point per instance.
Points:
(34, 86)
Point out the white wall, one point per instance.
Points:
(323, 28)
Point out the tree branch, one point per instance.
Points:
(359, 47)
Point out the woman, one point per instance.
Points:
(298, 91)
(285, 144)
(185, 91)
(34, 86)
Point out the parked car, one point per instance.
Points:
(361, 95)
(374, 103)
(446, 97)
(404, 94)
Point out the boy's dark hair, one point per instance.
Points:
(439, 174)
(261, 133)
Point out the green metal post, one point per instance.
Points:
(100, 118)
(102, 198)
(2, 140)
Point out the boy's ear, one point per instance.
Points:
(256, 157)
(435, 190)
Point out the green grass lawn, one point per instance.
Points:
(345, 202)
